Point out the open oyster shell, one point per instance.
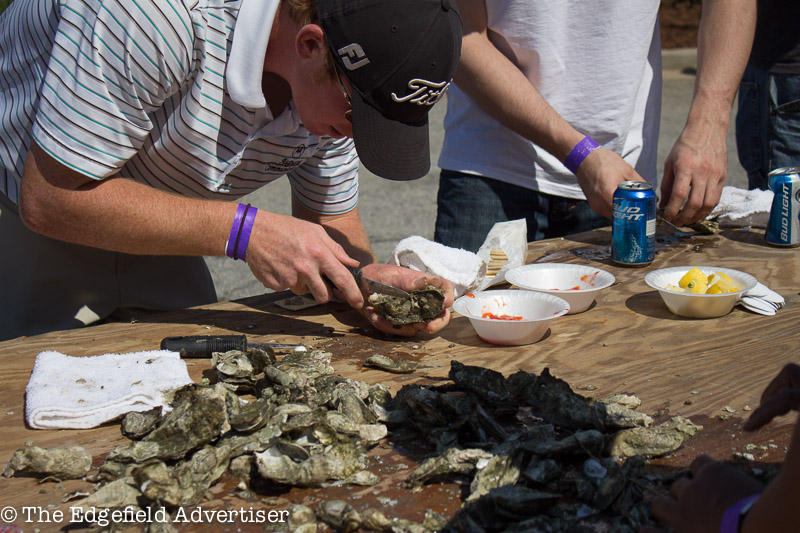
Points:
(421, 306)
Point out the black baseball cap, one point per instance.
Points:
(399, 56)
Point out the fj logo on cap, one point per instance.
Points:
(423, 92)
(353, 56)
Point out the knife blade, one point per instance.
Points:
(371, 285)
(205, 345)
(376, 286)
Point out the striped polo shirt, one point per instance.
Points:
(138, 88)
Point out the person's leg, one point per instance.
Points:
(784, 121)
(47, 284)
(467, 208)
(566, 216)
(752, 123)
(149, 284)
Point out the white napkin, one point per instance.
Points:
(465, 269)
(66, 392)
(762, 300)
(740, 207)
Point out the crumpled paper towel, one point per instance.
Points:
(463, 268)
(466, 270)
(67, 392)
(740, 207)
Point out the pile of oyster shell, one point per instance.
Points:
(300, 425)
(537, 455)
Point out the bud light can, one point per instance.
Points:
(783, 228)
(633, 230)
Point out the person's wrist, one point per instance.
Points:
(230, 245)
(734, 515)
(579, 152)
(241, 228)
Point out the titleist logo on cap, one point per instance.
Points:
(423, 92)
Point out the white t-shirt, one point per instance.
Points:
(142, 89)
(596, 62)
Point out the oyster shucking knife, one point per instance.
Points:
(372, 285)
(205, 345)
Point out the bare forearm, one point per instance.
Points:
(724, 41)
(118, 214)
(503, 91)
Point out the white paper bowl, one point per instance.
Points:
(698, 305)
(577, 284)
(536, 311)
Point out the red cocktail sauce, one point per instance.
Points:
(487, 314)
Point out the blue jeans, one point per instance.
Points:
(469, 205)
(767, 124)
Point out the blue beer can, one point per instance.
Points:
(633, 230)
(783, 228)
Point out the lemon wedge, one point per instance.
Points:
(694, 280)
(723, 285)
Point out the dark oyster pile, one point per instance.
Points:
(421, 306)
(539, 456)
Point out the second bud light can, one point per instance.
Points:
(633, 230)
(783, 228)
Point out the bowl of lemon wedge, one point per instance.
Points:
(700, 291)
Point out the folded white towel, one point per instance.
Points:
(740, 207)
(66, 392)
(465, 269)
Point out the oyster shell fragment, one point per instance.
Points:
(386, 363)
(70, 462)
(137, 424)
(655, 441)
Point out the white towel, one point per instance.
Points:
(66, 392)
(740, 207)
(465, 269)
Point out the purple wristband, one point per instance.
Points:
(243, 238)
(579, 152)
(734, 513)
(230, 246)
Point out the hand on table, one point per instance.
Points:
(781, 396)
(696, 503)
(408, 280)
(694, 173)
